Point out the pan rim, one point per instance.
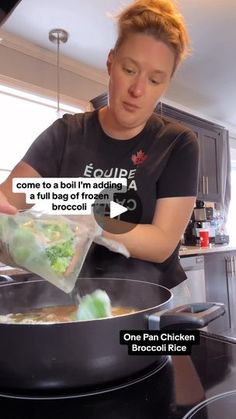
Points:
(56, 324)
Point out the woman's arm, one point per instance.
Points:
(156, 242)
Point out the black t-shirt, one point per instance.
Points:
(161, 161)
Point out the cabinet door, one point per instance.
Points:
(231, 275)
(210, 165)
(198, 132)
(217, 288)
(209, 137)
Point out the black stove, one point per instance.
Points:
(222, 405)
(200, 386)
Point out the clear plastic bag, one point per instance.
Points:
(51, 246)
(112, 245)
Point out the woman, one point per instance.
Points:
(159, 157)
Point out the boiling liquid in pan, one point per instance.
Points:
(54, 314)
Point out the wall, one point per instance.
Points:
(33, 66)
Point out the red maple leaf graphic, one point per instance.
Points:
(138, 158)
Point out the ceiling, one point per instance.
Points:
(206, 81)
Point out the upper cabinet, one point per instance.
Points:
(210, 138)
(210, 170)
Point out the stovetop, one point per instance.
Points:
(169, 393)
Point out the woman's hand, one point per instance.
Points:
(5, 206)
(21, 170)
(157, 241)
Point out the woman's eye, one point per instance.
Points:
(128, 70)
(153, 81)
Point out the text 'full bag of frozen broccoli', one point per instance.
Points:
(51, 246)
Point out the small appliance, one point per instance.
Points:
(202, 219)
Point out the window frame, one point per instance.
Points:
(38, 95)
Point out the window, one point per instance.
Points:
(23, 117)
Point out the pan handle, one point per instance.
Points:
(5, 278)
(189, 316)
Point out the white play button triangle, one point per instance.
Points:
(111, 209)
(116, 209)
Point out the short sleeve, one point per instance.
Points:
(46, 152)
(180, 174)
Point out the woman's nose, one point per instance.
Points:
(137, 88)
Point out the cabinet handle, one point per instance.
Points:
(203, 185)
(231, 266)
(206, 184)
(228, 266)
(228, 297)
(234, 267)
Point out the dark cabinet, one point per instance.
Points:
(230, 261)
(210, 142)
(220, 280)
(210, 138)
(210, 165)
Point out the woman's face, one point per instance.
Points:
(140, 72)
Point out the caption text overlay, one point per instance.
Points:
(144, 342)
(69, 195)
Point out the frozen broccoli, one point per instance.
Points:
(94, 306)
(60, 255)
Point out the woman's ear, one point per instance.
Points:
(109, 61)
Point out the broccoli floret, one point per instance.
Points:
(33, 243)
(94, 306)
(55, 231)
(60, 255)
(60, 265)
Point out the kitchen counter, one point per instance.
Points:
(197, 250)
(184, 251)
